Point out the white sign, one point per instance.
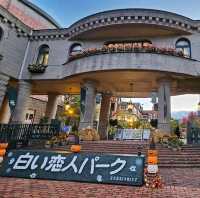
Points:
(132, 134)
(146, 134)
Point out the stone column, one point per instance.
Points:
(23, 96)
(90, 103)
(104, 116)
(3, 87)
(164, 106)
(52, 106)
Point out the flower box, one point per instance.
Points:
(34, 68)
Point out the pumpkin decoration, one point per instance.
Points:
(151, 173)
(152, 153)
(3, 145)
(76, 148)
(152, 160)
(2, 152)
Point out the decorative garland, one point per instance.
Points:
(152, 181)
(126, 49)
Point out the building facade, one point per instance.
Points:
(121, 53)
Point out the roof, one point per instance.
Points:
(125, 10)
(41, 12)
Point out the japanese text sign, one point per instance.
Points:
(88, 167)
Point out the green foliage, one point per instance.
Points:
(112, 130)
(144, 124)
(174, 142)
(174, 123)
(44, 120)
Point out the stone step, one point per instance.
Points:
(179, 165)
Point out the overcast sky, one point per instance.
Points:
(66, 12)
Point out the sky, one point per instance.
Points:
(66, 12)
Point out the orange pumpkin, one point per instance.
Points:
(3, 145)
(76, 148)
(152, 160)
(152, 153)
(2, 152)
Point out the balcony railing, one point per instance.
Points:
(131, 49)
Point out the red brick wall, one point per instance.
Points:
(19, 12)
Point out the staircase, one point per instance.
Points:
(187, 157)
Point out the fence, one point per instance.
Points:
(14, 133)
(193, 134)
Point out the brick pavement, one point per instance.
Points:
(184, 183)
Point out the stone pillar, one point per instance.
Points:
(51, 107)
(3, 87)
(164, 106)
(104, 116)
(90, 103)
(23, 96)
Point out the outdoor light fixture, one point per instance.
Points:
(130, 106)
(71, 111)
(67, 106)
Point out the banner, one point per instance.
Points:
(97, 168)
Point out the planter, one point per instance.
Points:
(174, 149)
(169, 146)
(37, 68)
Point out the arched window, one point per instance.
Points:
(75, 49)
(43, 55)
(184, 46)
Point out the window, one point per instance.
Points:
(184, 46)
(43, 55)
(75, 49)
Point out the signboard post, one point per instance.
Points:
(96, 168)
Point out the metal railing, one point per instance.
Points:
(14, 133)
(193, 134)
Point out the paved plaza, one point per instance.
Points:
(178, 183)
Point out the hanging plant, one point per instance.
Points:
(33, 68)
